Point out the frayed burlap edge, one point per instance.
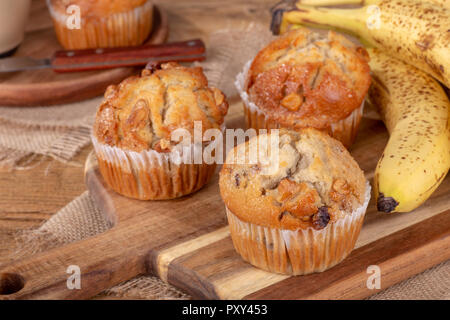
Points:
(80, 219)
(63, 149)
(144, 287)
(39, 133)
(225, 44)
(432, 284)
(30, 242)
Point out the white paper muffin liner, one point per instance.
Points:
(344, 130)
(301, 251)
(129, 28)
(152, 175)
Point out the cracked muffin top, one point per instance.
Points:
(308, 79)
(142, 111)
(313, 181)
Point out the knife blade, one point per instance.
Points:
(107, 58)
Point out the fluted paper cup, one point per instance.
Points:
(151, 175)
(344, 130)
(123, 29)
(301, 251)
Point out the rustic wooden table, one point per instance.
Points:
(30, 197)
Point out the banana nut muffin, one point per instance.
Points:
(134, 125)
(103, 23)
(309, 79)
(299, 212)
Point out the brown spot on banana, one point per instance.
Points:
(426, 43)
(438, 182)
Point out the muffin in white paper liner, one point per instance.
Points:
(153, 175)
(301, 251)
(122, 29)
(344, 130)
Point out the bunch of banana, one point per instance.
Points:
(416, 112)
(412, 104)
(443, 3)
(415, 31)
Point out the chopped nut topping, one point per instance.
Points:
(288, 188)
(162, 146)
(139, 116)
(218, 96)
(146, 72)
(297, 198)
(341, 186)
(292, 101)
(110, 90)
(165, 144)
(147, 108)
(169, 65)
(151, 67)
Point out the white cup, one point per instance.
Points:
(13, 17)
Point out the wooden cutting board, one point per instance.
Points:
(45, 87)
(186, 242)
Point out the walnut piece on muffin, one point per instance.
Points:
(142, 111)
(135, 125)
(309, 79)
(314, 181)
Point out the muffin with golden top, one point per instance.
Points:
(307, 79)
(103, 23)
(135, 136)
(299, 208)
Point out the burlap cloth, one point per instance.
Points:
(61, 131)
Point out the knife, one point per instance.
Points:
(107, 58)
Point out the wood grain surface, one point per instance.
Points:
(207, 266)
(46, 87)
(30, 197)
(137, 56)
(402, 244)
(186, 242)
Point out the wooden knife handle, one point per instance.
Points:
(97, 59)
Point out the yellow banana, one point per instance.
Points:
(442, 3)
(416, 112)
(330, 2)
(414, 31)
